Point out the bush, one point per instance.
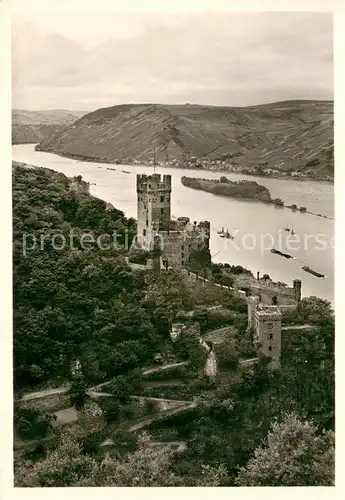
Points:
(112, 411)
(150, 406)
(227, 355)
(121, 388)
(278, 202)
(32, 423)
(139, 257)
(38, 453)
(203, 383)
(90, 444)
(124, 440)
(131, 411)
(218, 319)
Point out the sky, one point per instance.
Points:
(95, 60)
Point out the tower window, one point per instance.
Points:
(182, 247)
(269, 326)
(144, 232)
(270, 336)
(162, 211)
(270, 348)
(147, 222)
(162, 199)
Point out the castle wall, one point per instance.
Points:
(268, 290)
(174, 248)
(266, 296)
(286, 308)
(178, 245)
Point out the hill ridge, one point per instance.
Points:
(29, 126)
(284, 136)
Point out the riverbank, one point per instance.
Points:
(290, 207)
(105, 161)
(251, 221)
(322, 180)
(243, 190)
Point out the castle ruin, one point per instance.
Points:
(266, 323)
(176, 239)
(266, 306)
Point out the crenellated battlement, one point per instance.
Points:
(184, 224)
(275, 288)
(267, 313)
(154, 183)
(269, 286)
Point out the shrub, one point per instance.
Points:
(38, 453)
(32, 423)
(121, 388)
(112, 411)
(131, 411)
(124, 440)
(139, 257)
(227, 355)
(90, 444)
(150, 406)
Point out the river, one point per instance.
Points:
(257, 227)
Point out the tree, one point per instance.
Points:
(68, 466)
(72, 302)
(123, 386)
(201, 316)
(315, 310)
(78, 394)
(227, 355)
(294, 454)
(189, 347)
(111, 410)
(32, 423)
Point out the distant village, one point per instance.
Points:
(223, 166)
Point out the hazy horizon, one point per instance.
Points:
(87, 62)
(174, 104)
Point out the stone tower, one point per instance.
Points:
(268, 327)
(154, 206)
(297, 285)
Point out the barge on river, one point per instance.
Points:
(314, 273)
(282, 254)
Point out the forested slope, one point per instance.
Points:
(80, 301)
